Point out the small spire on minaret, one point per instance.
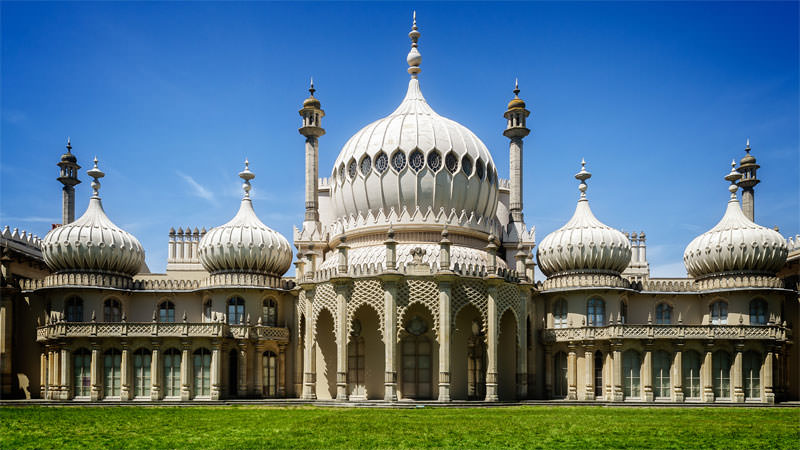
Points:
(747, 146)
(583, 175)
(69, 145)
(96, 174)
(246, 175)
(311, 89)
(414, 58)
(516, 87)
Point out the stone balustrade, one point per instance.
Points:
(629, 331)
(126, 283)
(61, 330)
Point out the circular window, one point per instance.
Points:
(416, 326)
(416, 160)
(466, 165)
(479, 169)
(381, 162)
(351, 169)
(366, 165)
(434, 161)
(451, 162)
(399, 161)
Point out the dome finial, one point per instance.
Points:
(733, 177)
(69, 145)
(95, 173)
(516, 87)
(583, 175)
(246, 175)
(311, 89)
(747, 146)
(414, 58)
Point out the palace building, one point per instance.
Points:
(414, 281)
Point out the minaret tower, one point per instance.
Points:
(748, 167)
(68, 176)
(516, 130)
(312, 114)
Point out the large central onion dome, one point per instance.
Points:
(736, 245)
(414, 158)
(93, 243)
(584, 245)
(245, 244)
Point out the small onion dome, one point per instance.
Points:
(516, 102)
(312, 102)
(93, 243)
(245, 244)
(584, 244)
(748, 158)
(736, 245)
(69, 157)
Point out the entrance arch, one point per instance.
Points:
(326, 356)
(365, 353)
(507, 358)
(418, 352)
(468, 354)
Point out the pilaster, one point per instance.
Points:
(216, 370)
(491, 339)
(186, 374)
(618, 394)
(155, 373)
(588, 370)
(125, 393)
(738, 385)
(769, 394)
(282, 370)
(243, 354)
(677, 375)
(390, 336)
(309, 381)
(572, 372)
(707, 379)
(97, 387)
(647, 373)
(342, 288)
(445, 329)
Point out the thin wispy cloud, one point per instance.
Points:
(196, 189)
(4, 219)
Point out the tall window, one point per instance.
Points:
(112, 373)
(631, 372)
(560, 314)
(112, 311)
(598, 374)
(595, 312)
(166, 312)
(172, 373)
(270, 373)
(355, 364)
(758, 312)
(751, 372)
(721, 373)
(202, 372)
(235, 311)
(207, 310)
(141, 372)
(663, 314)
(269, 312)
(560, 375)
(661, 369)
(623, 311)
(74, 309)
(81, 371)
(691, 374)
(416, 351)
(719, 313)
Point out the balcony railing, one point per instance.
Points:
(630, 331)
(60, 330)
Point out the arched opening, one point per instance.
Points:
(418, 354)
(235, 311)
(74, 309)
(81, 373)
(112, 310)
(758, 312)
(142, 360)
(233, 372)
(596, 312)
(721, 374)
(166, 312)
(269, 372)
(365, 353)
(662, 363)
(560, 384)
(663, 314)
(326, 356)
(202, 373)
(631, 374)
(719, 313)
(269, 312)
(468, 351)
(751, 374)
(112, 372)
(172, 373)
(560, 313)
(598, 374)
(507, 357)
(691, 375)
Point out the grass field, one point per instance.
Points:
(312, 427)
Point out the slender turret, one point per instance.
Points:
(312, 114)
(516, 130)
(68, 176)
(748, 167)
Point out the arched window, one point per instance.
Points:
(560, 314)
(172, 373)
(631, 373)
(691, 374)
(112, 311)
(207, 310)
(560, 375)
(721, 374)
(623, 311)
(595, 312)
(202, 372)
(662, 361)
(758, 312)
(82, 372)
(751, 372)
(141, 372)
(166, 312)
(270, 373)
(598, 374)
(269, 312)
(663, 314)
(74, 309)
(719, 313)
(112, 372)
(416, 351)
(235, 311)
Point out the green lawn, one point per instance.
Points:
(312, 427)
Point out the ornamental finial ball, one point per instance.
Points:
(414, 58)
(246, 175)
(96, 174)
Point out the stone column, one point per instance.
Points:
(155, 373)
(522, 347)
(186, 373)
(66, 374)
(260, 370)
(608, 369)
(548, 372)
(282, 370)
(572, 373)
(309, 388)
(707, 378)
(445, 329)
(216, 370)
(618, 394)
(390, 338)
(738, 385)
(341, 342)
(677, 375)
(588, 366)
(769, 394)
(126, 392)
(491, 341)
(43, 375)
(55, 375)
(647, 374)
(242, 360)
(96, 376)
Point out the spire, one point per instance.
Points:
(516, 87)
(414, 58)
(69, 145)
(246, 175)
(311, 89)
(96, 174)
(733, 177)
(747, 146)
(583, 175)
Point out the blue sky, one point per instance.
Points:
(171, 97)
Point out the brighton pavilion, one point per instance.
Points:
(415, 279)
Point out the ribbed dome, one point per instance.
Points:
(93, 243)
(245, 244)
(584, 244)
(735, 245)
